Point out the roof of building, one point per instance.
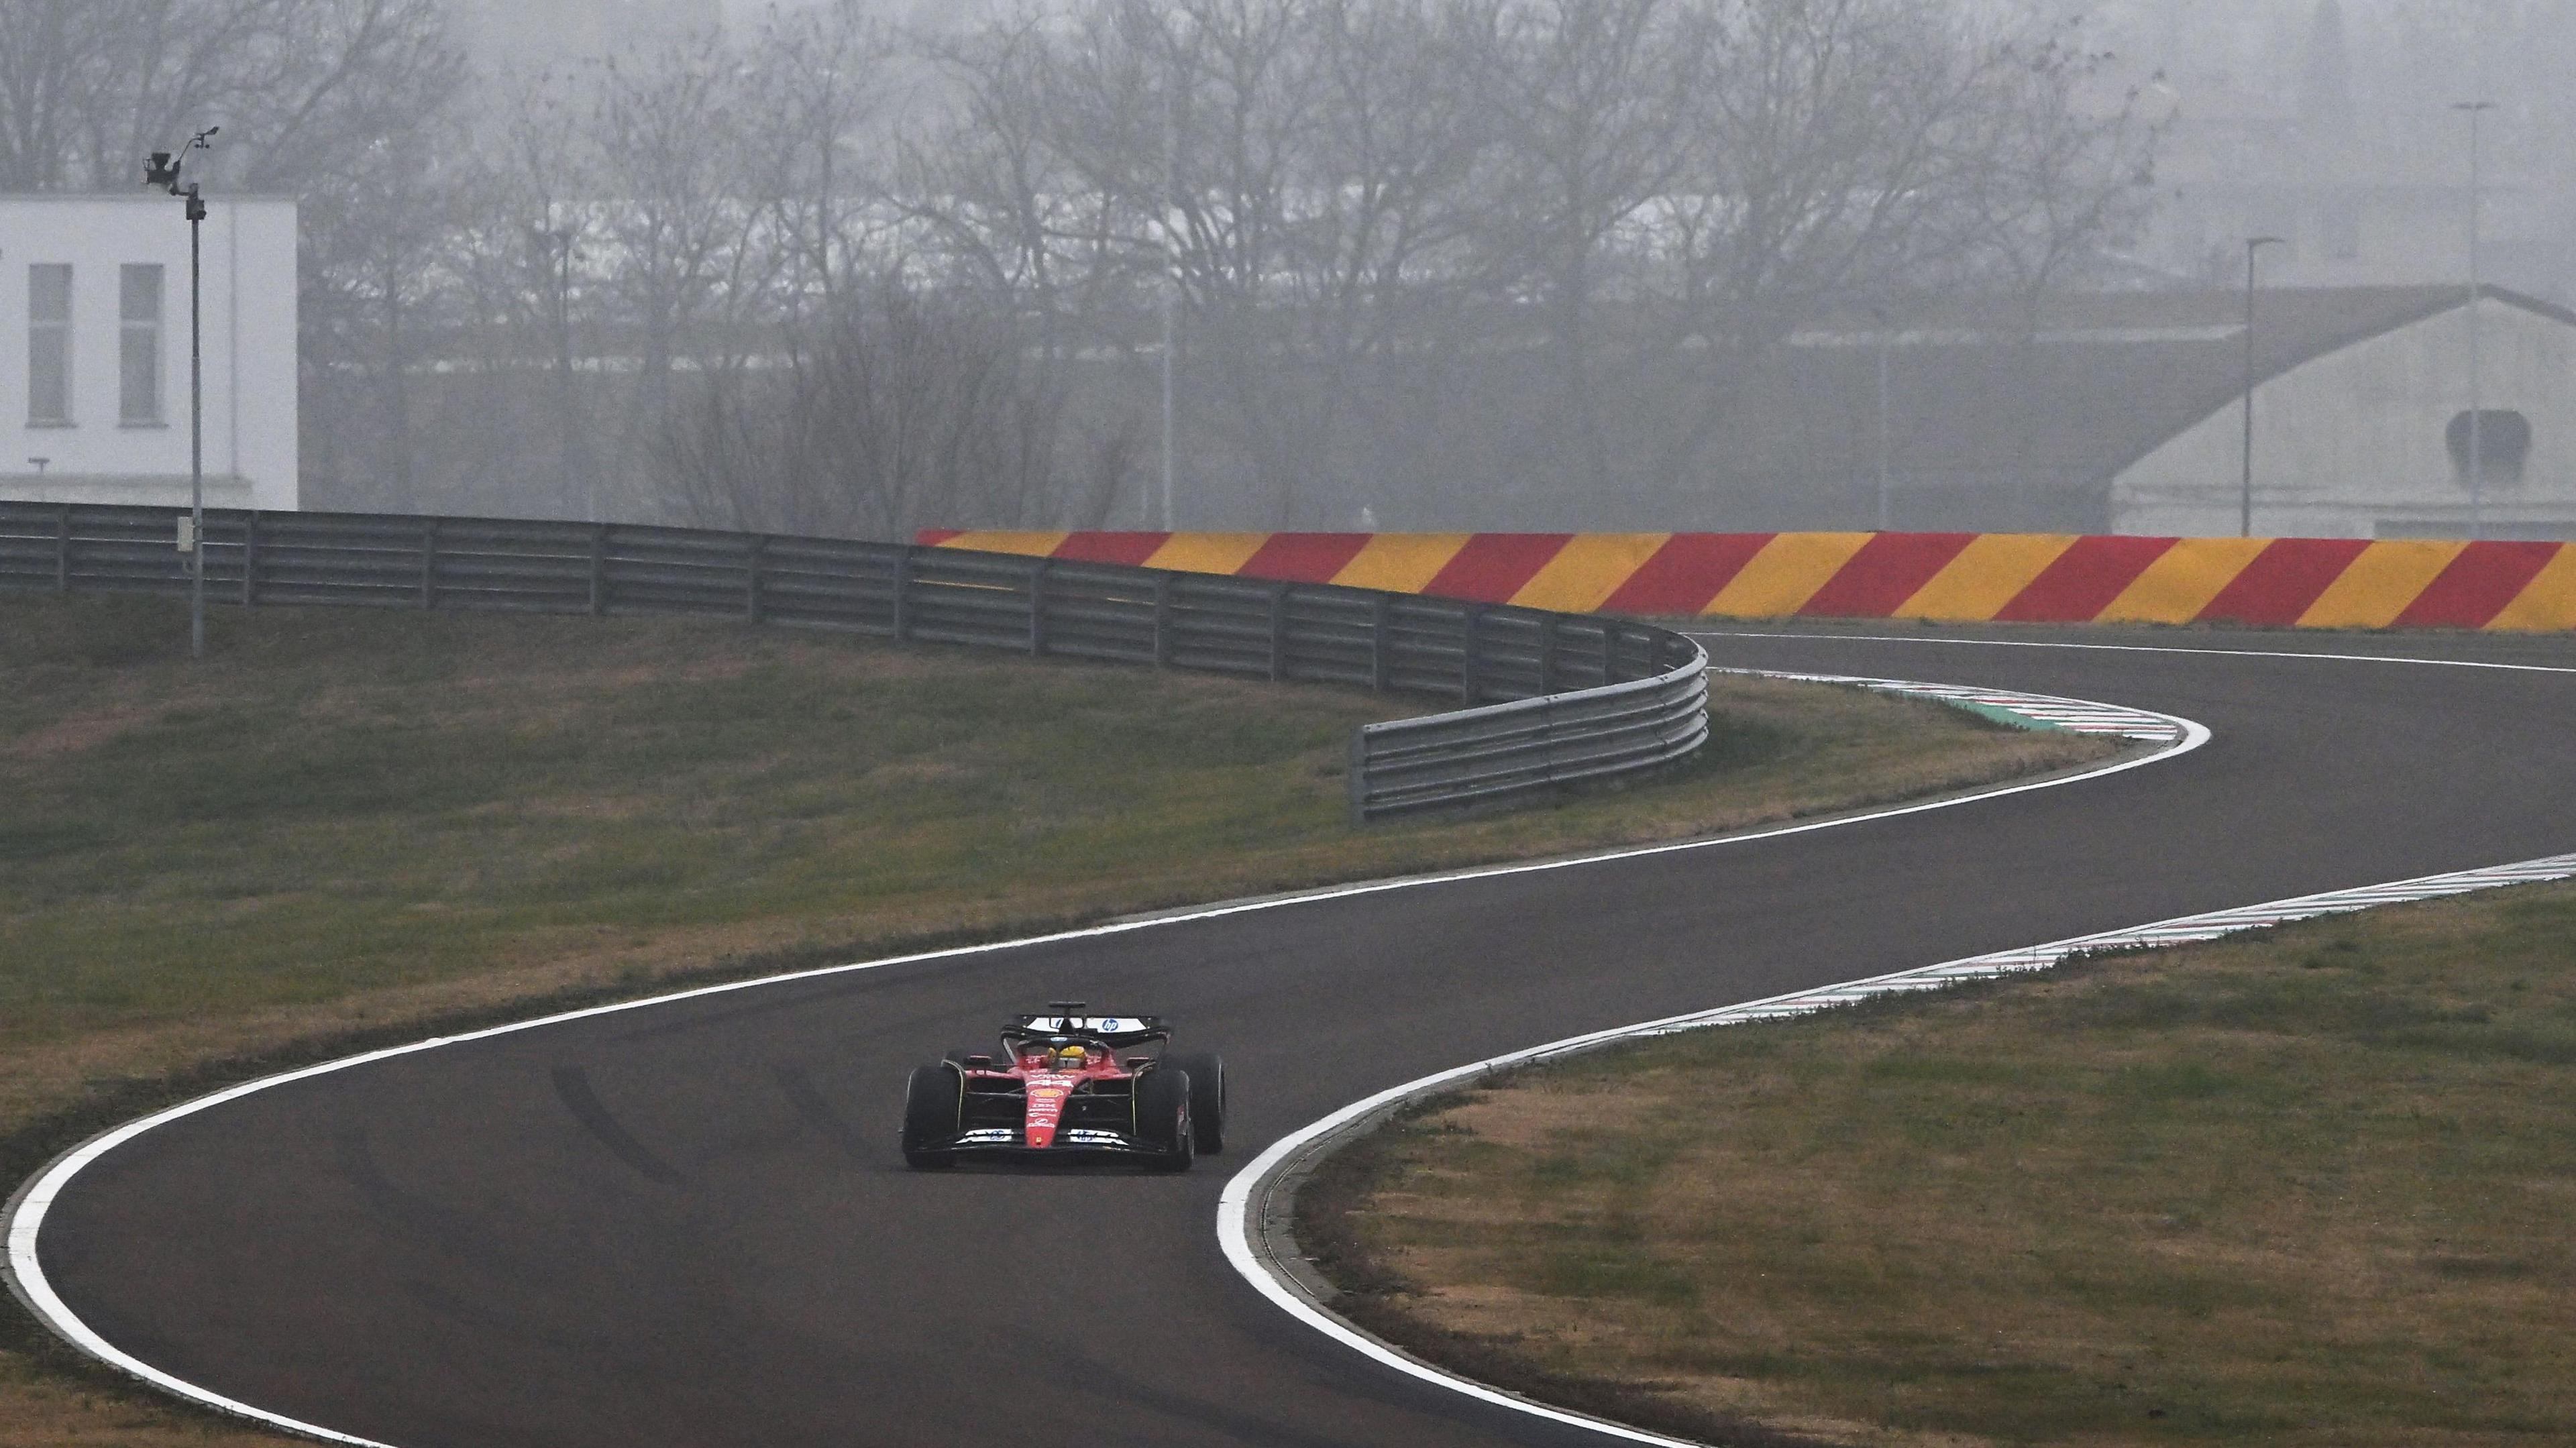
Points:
(2064, 394)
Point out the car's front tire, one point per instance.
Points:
(1163, 1118)
(1207, 1100)
(933, 1107)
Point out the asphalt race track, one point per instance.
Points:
(687, 1224)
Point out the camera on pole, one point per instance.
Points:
(161, 172)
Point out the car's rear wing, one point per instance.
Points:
(1114, 1031)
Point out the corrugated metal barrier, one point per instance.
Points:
(1549, 698)
(1953, 577)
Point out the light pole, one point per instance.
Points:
(2245, 493)
(2477, 408)
(162, 170)
(1171, 265)
(1886, 500)
(555, 245)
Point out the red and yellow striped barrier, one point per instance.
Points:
(1957, 577)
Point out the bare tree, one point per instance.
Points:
(899, 408)
(1638, 194)
(670, 134)
(378, 270)
(1000, 206)
(1007, 214)
(816, 86)
(55, 57)
(1237, 94)
(304, 89)
(1506, 250)
(890, 392)
(525, 254)
(1595, 106)
(1869, 149)
(1299, 170)
(1381, 270)
(1329, 210)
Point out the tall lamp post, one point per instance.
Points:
(162, 171)
(555, 246)
(2477, 408)
(1169, 293)
(2245, 490)
(1886, 497)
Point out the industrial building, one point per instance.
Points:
(2124, 412)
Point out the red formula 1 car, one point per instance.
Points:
(1060, 1087)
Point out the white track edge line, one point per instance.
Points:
(1236, 1233)
(2050, 711)
(26, 1210)
(2132, 649)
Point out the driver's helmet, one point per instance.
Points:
(1071, 1058)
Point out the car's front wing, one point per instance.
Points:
(1012, 1140)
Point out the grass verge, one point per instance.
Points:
(2305, 1187)
(350, 828)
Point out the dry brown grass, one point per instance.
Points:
(38, 1410)
(2308, 1188)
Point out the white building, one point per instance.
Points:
(2124, 412)
(94, 349)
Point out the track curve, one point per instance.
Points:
(687, 1224)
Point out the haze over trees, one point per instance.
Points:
(2282, 104)
(808, 271)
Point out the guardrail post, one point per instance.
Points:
(1037, 607)
(250, 558)
(753, 550)
(428, 562)
(599, 568)
(62, 548)
(1381, 616)
(1609, 653)
(1547, 653)
(1356, 776)
(1278, 632)
(903, 595)
(1547, 731)
(1467, 661)
(1162, 620)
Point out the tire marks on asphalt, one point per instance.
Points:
(572, 1087)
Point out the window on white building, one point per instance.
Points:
(49, 344)
(2504, 437)
(139, 344)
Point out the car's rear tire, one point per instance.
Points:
(1207, 1100)
(1163, 1118)
(933, 1106)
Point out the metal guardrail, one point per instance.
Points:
(1528, 744)
(1550, 698)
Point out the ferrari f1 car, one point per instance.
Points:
(1060, 1087)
